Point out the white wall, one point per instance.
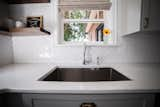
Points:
(5, 50)
(137, 48)
(30, 49)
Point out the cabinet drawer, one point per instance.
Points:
(43, 100)
(105, 103)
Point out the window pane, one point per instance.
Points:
(78, 32)
(84, 14)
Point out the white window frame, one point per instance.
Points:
(114, 24)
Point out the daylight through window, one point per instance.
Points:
(86, 25)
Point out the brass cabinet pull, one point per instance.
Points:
(88, 105)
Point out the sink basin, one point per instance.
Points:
(84, 75)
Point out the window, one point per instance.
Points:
(83, 25)
(87, 24)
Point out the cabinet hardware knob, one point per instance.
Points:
(88, 105)
(146, 23)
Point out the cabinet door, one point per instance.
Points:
(150, 15)
(1, 102)
(46, 100)
(129, 16)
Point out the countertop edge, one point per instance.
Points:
(78, 91)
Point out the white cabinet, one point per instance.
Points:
(150, 15)
(138, 15)
(109, 100)
(129, 16)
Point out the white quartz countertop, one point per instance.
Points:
(23, 78)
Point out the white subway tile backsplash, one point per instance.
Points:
(5, 50)
(28, 49)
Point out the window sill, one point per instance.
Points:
(92, 44)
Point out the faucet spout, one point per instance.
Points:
(87, 59)
(84, 55)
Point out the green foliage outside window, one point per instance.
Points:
(75, 31)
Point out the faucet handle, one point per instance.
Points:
(98, 60)
(88, 59)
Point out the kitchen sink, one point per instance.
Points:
(84, 75)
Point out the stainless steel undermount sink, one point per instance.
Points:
(84, 75)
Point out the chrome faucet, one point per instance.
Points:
(84, 56)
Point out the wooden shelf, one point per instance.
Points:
(28, 32)
(5, 33)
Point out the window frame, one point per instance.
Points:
(62, 21)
